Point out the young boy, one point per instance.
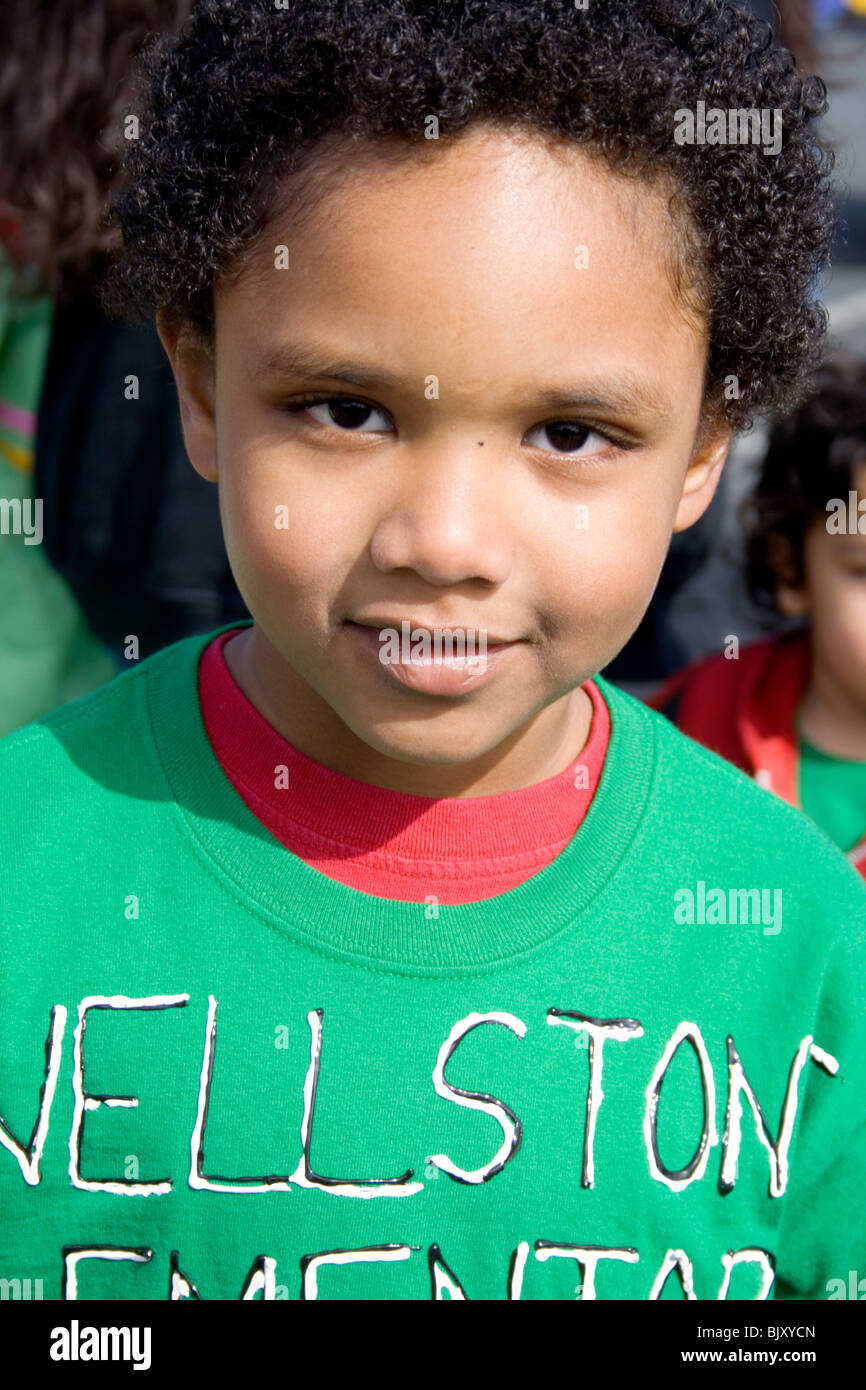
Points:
(791, 710)
(329, 925)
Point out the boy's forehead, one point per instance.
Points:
(495, 237)
(490, 188)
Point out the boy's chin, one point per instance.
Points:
(419, 746)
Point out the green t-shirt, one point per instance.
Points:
(288, 1088)
(833, 793)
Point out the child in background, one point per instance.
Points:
(47, 653)
(64, 88)
(101, 455)
(791, 710)
(354, 900)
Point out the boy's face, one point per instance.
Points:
(833, 598)
(461, 298)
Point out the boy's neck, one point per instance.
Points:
(543, 748)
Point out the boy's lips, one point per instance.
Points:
(439, 674)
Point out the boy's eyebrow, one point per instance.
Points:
(620, 391)
(289, 360)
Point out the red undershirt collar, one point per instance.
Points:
(388, 842)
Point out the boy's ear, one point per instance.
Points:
(792, 598)
(192, 362)
(703, 474)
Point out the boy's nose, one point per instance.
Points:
(445, 521)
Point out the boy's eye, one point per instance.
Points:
(342, 412)
(347, 413)
(571, 437)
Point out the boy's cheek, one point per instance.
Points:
(273, 526)
(841, 628)
(277, 564)
(617, 549)
(600, 600)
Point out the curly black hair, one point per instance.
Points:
(810, 459)
(64, 91)
(241, 101)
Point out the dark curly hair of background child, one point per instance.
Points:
(64, 90)
(810, 459)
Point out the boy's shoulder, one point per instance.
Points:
(700, 798)
(102, 742)
(698, 781)
(718, 697)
